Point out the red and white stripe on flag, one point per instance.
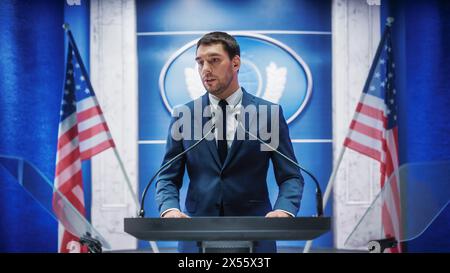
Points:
(82, 134)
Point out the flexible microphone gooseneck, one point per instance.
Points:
(163, 167)
(319, 204)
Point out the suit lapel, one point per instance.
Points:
(205, 118)
(247, 99)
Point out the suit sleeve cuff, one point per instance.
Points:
(290, 214)
(167, 210)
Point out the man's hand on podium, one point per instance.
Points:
(277, 214)
(174, 214)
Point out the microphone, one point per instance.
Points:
(168, 163)
(319, 205)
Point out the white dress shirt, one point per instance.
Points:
(233, 108)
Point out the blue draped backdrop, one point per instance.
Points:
(32, 52)
(422, 51)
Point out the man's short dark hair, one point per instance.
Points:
(228, 42)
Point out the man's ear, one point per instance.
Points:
(236, 62)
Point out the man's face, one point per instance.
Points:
(216, 69)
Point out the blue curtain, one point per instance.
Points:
(32, 52)
(421, 46)
(31, 69)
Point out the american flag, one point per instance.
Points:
(83, 133)
(373, 132)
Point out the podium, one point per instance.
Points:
(226, 234)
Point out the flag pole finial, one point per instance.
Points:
(389, 21)
(66, 27)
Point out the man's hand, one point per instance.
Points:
(277, 213)
(174, 214)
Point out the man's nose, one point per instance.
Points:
(206, 69)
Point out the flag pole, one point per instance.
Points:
(127, 179)
(66, 28)
(330, 183)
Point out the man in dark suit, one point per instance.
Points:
(228, 173)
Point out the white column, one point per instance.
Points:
(356, 34)
(114, 78)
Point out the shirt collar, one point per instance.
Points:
(233, 100)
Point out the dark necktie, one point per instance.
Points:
(222, 146)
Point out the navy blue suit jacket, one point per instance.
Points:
(240, 183)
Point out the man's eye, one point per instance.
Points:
(215, 60)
